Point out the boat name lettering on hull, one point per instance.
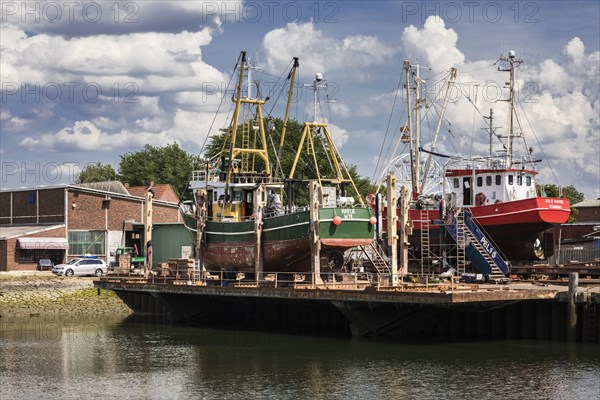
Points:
(348, 213)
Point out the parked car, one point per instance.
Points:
(81, 267)
(45, 264)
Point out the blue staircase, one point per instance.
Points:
(478, 247)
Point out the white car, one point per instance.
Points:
(81, 267)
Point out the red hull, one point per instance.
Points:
(513, 226)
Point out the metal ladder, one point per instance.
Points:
(425, 249)
(196, 272)
(461, 243)
(376, 258)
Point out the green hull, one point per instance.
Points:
(285, 239)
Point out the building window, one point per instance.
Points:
(455, 181)
(488, 180)
(510, 180)
(479, 181)
(35, 255)
(87, 242)
(528, 180)
(498, 180)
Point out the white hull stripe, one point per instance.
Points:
(282, 227)
(230, 233)
(516, 212)
(285, 226)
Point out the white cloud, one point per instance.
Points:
(86, 136)
(340, 108)
(321, 53)
(339, 135)
(4, 114)
(154, 61)
(146, 81)
(83, 18)
(434, 45)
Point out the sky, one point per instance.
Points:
(87, 81)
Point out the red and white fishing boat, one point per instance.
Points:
(499, 189)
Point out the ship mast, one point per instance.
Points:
(511, 95)
(415, 147)
(291, 77)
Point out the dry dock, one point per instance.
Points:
(412, 311)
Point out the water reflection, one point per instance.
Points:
(121, 359)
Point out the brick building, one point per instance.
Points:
(66, 221)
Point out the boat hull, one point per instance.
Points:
(518, 228)
(285, 240)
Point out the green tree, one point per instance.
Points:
(96, 173)
(169, 164)
(570, 192)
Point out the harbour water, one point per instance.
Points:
(121, 359)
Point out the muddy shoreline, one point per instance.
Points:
(45, 295)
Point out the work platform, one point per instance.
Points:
(444, 311)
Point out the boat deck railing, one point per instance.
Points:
(497, 161)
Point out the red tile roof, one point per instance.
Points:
(162, 192)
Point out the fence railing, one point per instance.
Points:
(565, 256)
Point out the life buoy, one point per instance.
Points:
(480, 199)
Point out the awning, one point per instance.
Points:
(43, 243)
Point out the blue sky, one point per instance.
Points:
(88, 81)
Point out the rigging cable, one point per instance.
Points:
(538, 142)
(387, 129)
(220, 104)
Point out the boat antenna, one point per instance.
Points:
(318, 83)
(491, 129)
(249, 67)
(238, 101)
(511, 95)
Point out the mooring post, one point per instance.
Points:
(201, 212)
(258, 223)
(405, 230)
(572, 307)
(315, 239)
(392, 226)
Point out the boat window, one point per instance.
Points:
(510, 180)
(528, 180)
(498, 180)
(520, 180)
(455, 182)
(215, 195)
(479, 181)
(237, 195)
(488, 180)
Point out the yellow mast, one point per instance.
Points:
(234, 150)
(292, 77)
(310, 128)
